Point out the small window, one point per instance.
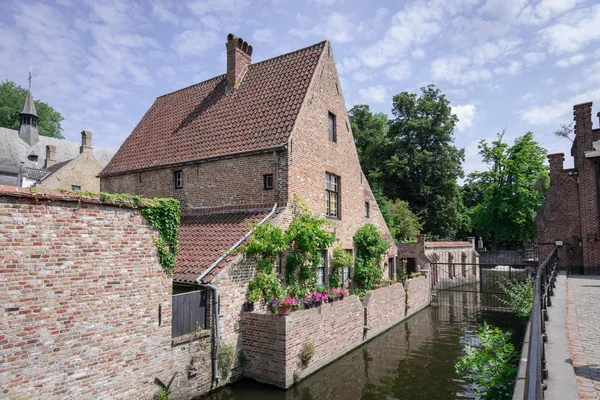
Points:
(332, 191)
(32, 157)
(75, 187)
(268, 181)
(346, 270)
(178, 178)
(391, 269)
(332, 132)
(367, 210)
(321, 268)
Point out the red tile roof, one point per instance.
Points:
(447, 244)
(201, 121)
(204, 238)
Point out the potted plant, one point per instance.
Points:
(318, 298)
(340, 293)
(307, 301)
(255, 294)
(286, 304)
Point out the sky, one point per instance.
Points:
(513, 65)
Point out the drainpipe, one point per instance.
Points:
(215, 290)
(276, 170)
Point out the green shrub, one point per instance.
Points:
(242, 359)
(306, 354)
(370, 247)
(490, 368)
(520, 296)
(341, 259)
(225, 359)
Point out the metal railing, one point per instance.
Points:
(536, 371)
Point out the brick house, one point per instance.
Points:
(570, 210)
(28, 159)
(234, 150)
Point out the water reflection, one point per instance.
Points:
(413, 360)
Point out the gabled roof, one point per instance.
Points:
(29, 106)
(204, 238)
(201, 121)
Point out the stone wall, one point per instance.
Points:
(418, 294)
(384, 307)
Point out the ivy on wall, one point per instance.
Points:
(161, 213)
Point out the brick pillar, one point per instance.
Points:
(556, 165)
(588, 196)
(239, 56)
(86, 141)
(50, 155)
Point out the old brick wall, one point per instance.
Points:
(273, 343)
(312, 155)
(226, 182)
(418, 293)
(384, 308)
(80, 288)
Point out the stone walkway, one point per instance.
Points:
(583, 332)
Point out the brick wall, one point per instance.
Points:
(82, 171)
(226, 182)
(273, 343)
(312, 155)
(418, 296)
(80, 287)
(384, 308)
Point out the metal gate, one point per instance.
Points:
(474, 285)
(189, 312)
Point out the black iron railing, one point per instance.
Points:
(536, 371)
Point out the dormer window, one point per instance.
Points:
(178, 179)
(32, 157)
(332, 132)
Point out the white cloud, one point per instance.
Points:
(574, 31)
(263, 35)
(545, 10)
(458, 70)
(570, 61)
(362, 76)
(325, 2)
(399, 71)
(533, 57)
(465, 114)
(592, 73)
(164, 14)
(492, 51)
(348, 65)
(375, 94)
(513, 68)
(335, 27)
(557, 112)
(503, 9)
(194, 42)
(418, 54)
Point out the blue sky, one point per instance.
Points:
(517, 65)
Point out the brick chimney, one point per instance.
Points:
(50, 155)
(239, 56)
(86, 141)
(556, 162)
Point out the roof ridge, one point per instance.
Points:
(249, 66)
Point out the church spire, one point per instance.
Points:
(28, 130)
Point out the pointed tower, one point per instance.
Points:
(28, 130)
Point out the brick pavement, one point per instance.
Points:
(583, 328)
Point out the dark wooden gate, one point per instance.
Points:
(189, 312)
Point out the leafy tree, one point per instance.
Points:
(412, 157)
(513, 190)
(341, 259)
(403, 224)
(12, 98)
(490, 368)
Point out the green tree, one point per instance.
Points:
(413, 158)
(12, 98)
(370, 247)
(403, 224)
(513, 190)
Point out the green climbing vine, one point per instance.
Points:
(161, 213)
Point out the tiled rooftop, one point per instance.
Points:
(201, 121)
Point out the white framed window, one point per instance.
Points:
(332, 193)
(321, 268)
(178, 179)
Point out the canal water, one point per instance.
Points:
(413, 360)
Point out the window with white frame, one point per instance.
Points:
(332, 192)
(321, 268)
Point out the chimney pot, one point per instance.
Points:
(239, 56)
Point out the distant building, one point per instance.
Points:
(570, 210)
(28, 159)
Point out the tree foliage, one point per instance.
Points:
(12, 98)
(513, 189)
(341, 259)
(413, 157)
(370, 247)
(490, 368)
(403, 224)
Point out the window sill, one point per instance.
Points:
(190, 337)
(333, 218)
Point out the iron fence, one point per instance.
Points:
(536, 371)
